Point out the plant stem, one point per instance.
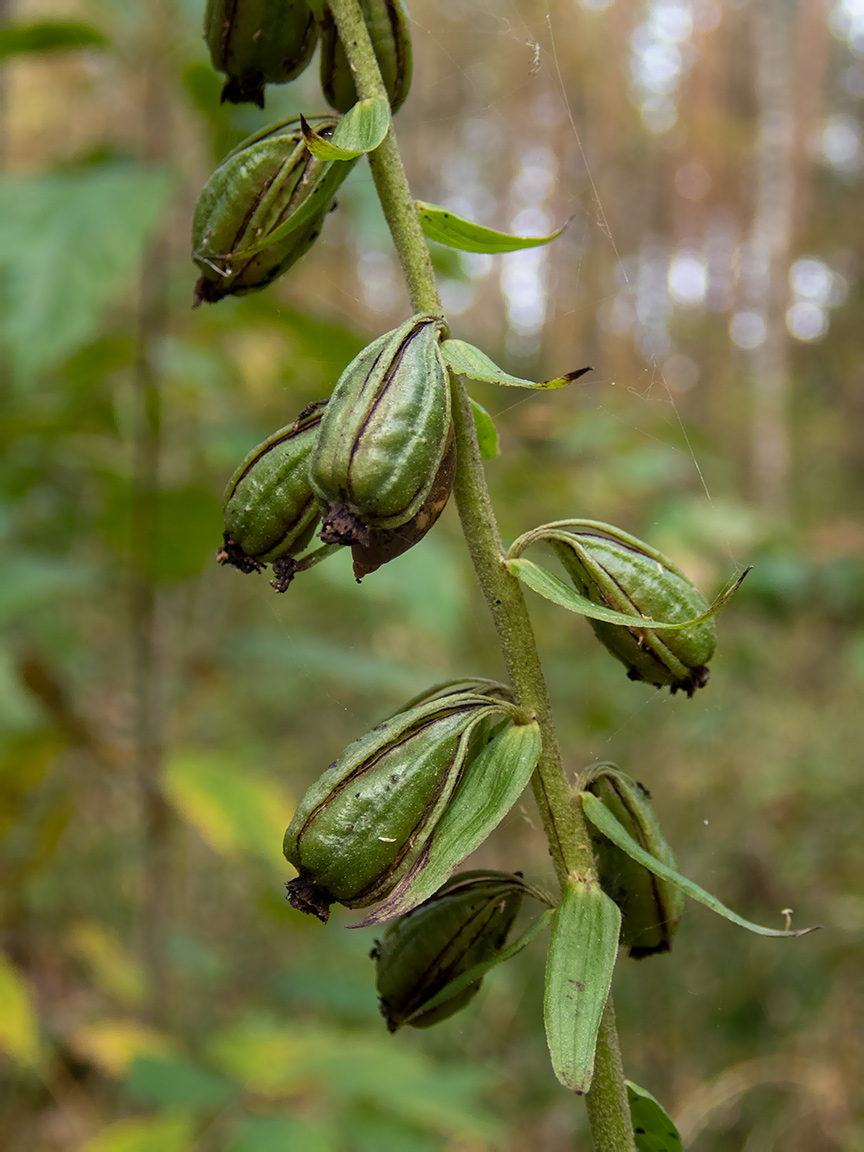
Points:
(563, 821)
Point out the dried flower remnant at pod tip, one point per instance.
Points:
(258, 42)
(270, 511)
(384, 434)
(389, 30)
(262, 184)
(466, 922)
(612, 568)
(650, 906)
(368, 822)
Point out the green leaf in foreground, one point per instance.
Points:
(466, 360)
(579, 964)
(605, 822)
(360, 130)
(491, 785)
(448, 228)
(558, 592)
(48, 36)
(487, 433)
(653, 1131)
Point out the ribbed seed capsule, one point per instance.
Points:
(359, 830)
(650, 906)
(384, 434)
(258, 42)
(270, 510)
(613, 568)
(390, 32)
(264, 181)
(466, 922)
(386, 544)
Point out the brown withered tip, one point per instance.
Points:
(284, 571)
(698, 678)
(233, 554)
(304, 895)
(571, 376)
(245, 89)
(341, 525)
(207, 292)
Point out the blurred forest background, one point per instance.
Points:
(161, 715)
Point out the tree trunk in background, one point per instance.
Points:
(769, 250)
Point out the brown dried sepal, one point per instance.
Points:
(342, 525)
(304, 895)
(284, 571)
(245, 89)
(233, 554)
(386, 544)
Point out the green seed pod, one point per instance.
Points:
(390, 32)
(258, 42)
(270, 510)
(650, 907)
(260, 185)
(384, 434)
(612, 568)
(366, 823)
(386, 544)
(466, 922)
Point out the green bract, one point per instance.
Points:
(265, 182)
(389, 30)
(610, 567)
(466, 922)
(383, 435)
(270, 510)
(650, 906)
(258, 41)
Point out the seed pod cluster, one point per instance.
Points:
(267, 179)
(466, 922)
(650, 906)
(384, 435)
(389, 30)
(258, 42)
(367, 822)
(612, 568)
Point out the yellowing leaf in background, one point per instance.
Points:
(113, 1045)
(19, 1025)
(108, 964)
(237, 812)
(153, 1134)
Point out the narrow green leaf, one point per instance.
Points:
(653, 1131)
(487, 433)
(492, 784)
(582, 951)
(321, 192)
(466, 360)
(605, 822)
(558, 592)
(447, 228)
(478, 971)
(48, 36)
(360, 130)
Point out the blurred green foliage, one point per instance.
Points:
(267, 1036)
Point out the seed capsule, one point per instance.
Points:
(260, 185)
(386, 544)
(366, 823)
(650, 906)
(390, 32)
(258, 41)
(270, 510)
(384, 435)
(466, 922)
(612, 568)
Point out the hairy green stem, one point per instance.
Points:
(563, 822)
